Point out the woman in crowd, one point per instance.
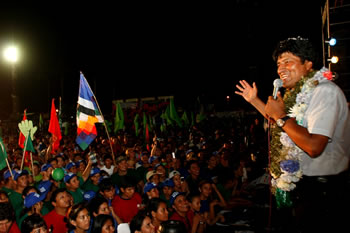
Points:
(141, 223)
(157, 208)
(103, 223)
(78, 219)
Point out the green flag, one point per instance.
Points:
(119, 118)
(3, 155)
(167, 115)
(29, 144)
(173, 113)
(136, 123)
(144, 121)
(109, 125)
(185, 119)
(41, 121)
(192, 119)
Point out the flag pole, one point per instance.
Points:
(8, 165)
(24, 150)
(31, 159)
(104, 122)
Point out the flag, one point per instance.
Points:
(41, 121)
(3, 155)
(54, 128)
(185, 119)
(22, 138)
(87, 115)
(119, 118)
(136, 123)
(173, 113)
(29, 145)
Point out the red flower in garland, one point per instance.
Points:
(328, 75)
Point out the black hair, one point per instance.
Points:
(127, 182)
(105, 184)
(31, 222)
(137, 220)
(172, 226)
(300, 47)
(6, 211)
(107, 156)
(99, 222)
(95, 204)
(55, 193)
(153, 205)
(73, 214)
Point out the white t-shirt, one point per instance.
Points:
(328, 115)
(109, 171)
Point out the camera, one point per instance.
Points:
(92, 157)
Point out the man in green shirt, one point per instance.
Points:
(72, 185)
(9, 183)
(92, 183)
(16, 199)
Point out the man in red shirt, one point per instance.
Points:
(181, 207)
(61, 201)
(127, 203)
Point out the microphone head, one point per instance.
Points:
(277, 83)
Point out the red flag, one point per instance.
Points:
(54, 128)
(22, 139)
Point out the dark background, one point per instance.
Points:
(189, 51)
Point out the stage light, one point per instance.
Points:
(334, 59)
(331, 41)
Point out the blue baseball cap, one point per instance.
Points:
(168, 182)
(70, 165)
(44, 186)
(45, 166)
(94, 171)
(68, 177)
(32, 198)
(20, 173)
(88, 195)
(152, 158)
(7, 174)
(174, 195)
(148, 187)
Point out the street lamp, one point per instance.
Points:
(11, 55)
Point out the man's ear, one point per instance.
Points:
(53, 203)
(309, 65)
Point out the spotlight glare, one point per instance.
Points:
(334, 59)
(332, 42)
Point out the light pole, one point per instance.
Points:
(11, 55)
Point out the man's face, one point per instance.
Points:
(22, 181)
(128, 192)
(123, 166)
(95, 178)
(63, 200)
(5, 226)
(73, 183)
(108, 194)
(290, 69)
(181, 204)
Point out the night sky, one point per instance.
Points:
(142, 51)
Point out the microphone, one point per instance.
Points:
(277, 84)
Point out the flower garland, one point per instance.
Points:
(285, 154)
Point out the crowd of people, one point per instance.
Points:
(183, 178)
